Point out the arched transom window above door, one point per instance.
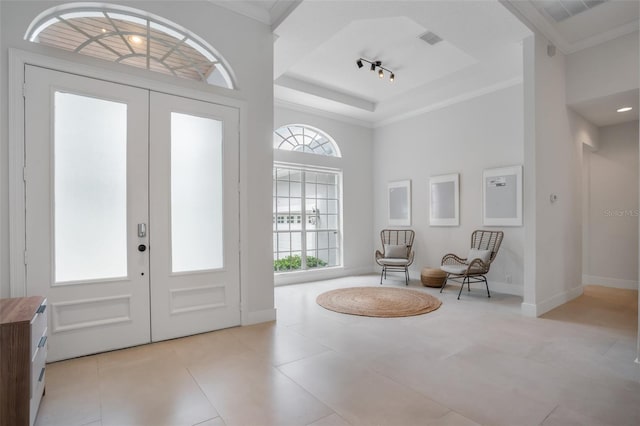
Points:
(303, 138)
(133, 38)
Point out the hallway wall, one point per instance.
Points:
(611, 215)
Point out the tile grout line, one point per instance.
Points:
(99, 386)
(326, 417)
(548, 415)
(203, 394)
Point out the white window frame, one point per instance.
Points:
(283, 136)
(319, 162)
(304, 219)
(170, 29)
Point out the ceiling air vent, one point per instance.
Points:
(559, 10)
(431, 38)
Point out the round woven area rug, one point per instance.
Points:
(378, 301)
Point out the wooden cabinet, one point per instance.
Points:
(23, 353)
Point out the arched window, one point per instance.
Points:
(307, 199)
(304, 138)
(130, 37)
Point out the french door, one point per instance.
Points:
(132, 217)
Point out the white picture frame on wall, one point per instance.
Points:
(444, 200)
(502, 196)
(399, 203)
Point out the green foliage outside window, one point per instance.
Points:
(290, 263)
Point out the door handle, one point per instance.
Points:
(142, 230)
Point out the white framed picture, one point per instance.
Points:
(444, 200)
(399, 203)
(502, 196)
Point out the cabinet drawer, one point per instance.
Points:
(38, 327)
(37, 369)
(35, 402)
(23, 354)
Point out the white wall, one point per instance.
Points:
(356, 146)
(585, 132)
(248, 46)
(611, 175)
(464, 138)
(603, 70)
(553, 165)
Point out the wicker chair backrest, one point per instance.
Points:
(487, 240)
(398, 237)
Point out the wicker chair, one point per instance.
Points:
(473, 268)
(396, 252)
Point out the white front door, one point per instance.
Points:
(194, 216)
(128, 253)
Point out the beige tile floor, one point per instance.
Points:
(473, 361)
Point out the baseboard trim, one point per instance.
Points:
(287, 278)
(538, 309)
(528, 310)
(609, 282)
(506, 288)
(258, 317)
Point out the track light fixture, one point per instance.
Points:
(378, 65)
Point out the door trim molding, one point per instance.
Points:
(17, 225)
(92, 68)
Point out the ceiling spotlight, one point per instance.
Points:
(624, 109)
(135, 39)
(374, 65)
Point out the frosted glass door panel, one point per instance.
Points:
(196, 193)
(194, 221)
(90, 189)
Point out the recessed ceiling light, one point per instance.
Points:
(624, 109)
(135, 39)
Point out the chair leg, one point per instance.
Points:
(487, 284)
(469, 285)
(444, 283)
(465, 279)
(381, 274)
(406, 276)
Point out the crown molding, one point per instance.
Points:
(532, 18)
(451, 101)
(249, 10)
(325, 93)
(322, 113)
(272, 16)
